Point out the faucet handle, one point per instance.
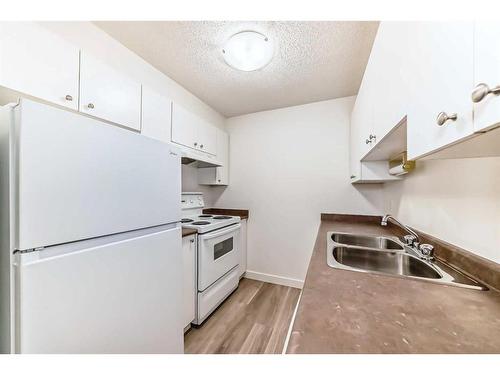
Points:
(409, 239)
(427, 251)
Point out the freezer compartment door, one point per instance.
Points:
(118, 297)
(80, 178)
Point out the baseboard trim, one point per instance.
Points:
(274, 279)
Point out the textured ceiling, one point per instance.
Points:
(313, 60)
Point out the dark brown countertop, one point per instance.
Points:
(243, 214)
(350, 312)
(188, 232)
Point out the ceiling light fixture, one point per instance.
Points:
(248, 51)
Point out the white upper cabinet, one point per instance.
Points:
(222, 173)
(439, 81)
(183, 127)
(387, 72)
(486, 75)
(207, 137)
(217, 175)
(191, 131)
(360, 130)
(38, 63)
(156, 115)
(109, 94)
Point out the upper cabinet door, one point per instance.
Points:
(222, 173)
(388, 63)
(439, 81)
(183, 127)
(192, 131)
(156, 115)
(38, 63)
(486, 93)
(207, 136)
(108, 94)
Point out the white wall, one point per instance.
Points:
(190, 183)
(95, 41)
(287, 166)
(456, 200)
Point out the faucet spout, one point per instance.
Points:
(387, 218)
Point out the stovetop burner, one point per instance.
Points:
(186, 220)
(201, 223)
(204, 215)
(222, 217)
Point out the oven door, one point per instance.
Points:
(218, 253)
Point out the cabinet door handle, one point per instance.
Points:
(368, 141)
(482, 90)
(372, 136)
(442, 117)
(191, 240)
(90, 106)
(201, 146)
(69, 98)
(195, 144)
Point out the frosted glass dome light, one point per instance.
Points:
(248, 51)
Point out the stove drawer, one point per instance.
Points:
(216, 294)
(218, 253)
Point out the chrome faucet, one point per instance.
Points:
(412, 240)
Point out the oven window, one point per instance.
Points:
(223, 247)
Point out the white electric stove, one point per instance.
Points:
(218, 253)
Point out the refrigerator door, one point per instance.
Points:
(120, 294)
(81, 178)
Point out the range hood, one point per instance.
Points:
(197, 158)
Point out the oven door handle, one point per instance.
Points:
(214, 234)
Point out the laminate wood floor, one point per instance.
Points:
(254, 319)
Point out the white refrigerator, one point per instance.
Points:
(90, 258)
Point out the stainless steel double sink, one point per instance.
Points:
(387, 255)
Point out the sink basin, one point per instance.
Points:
(376, 242)
(388, 256)
(390, 262)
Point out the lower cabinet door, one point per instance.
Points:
(243, 261)
(189, 279)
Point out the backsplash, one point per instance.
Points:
(456, 200)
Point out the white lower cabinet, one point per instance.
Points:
(243, 237)
(189, 279)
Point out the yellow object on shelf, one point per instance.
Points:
(400, 165)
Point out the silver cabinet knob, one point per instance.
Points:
(482, 90)
(201, 146)
(90, 106)
(69, 98)
(195, 144)
(367, 141)
(372, 136)
(442, 117)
